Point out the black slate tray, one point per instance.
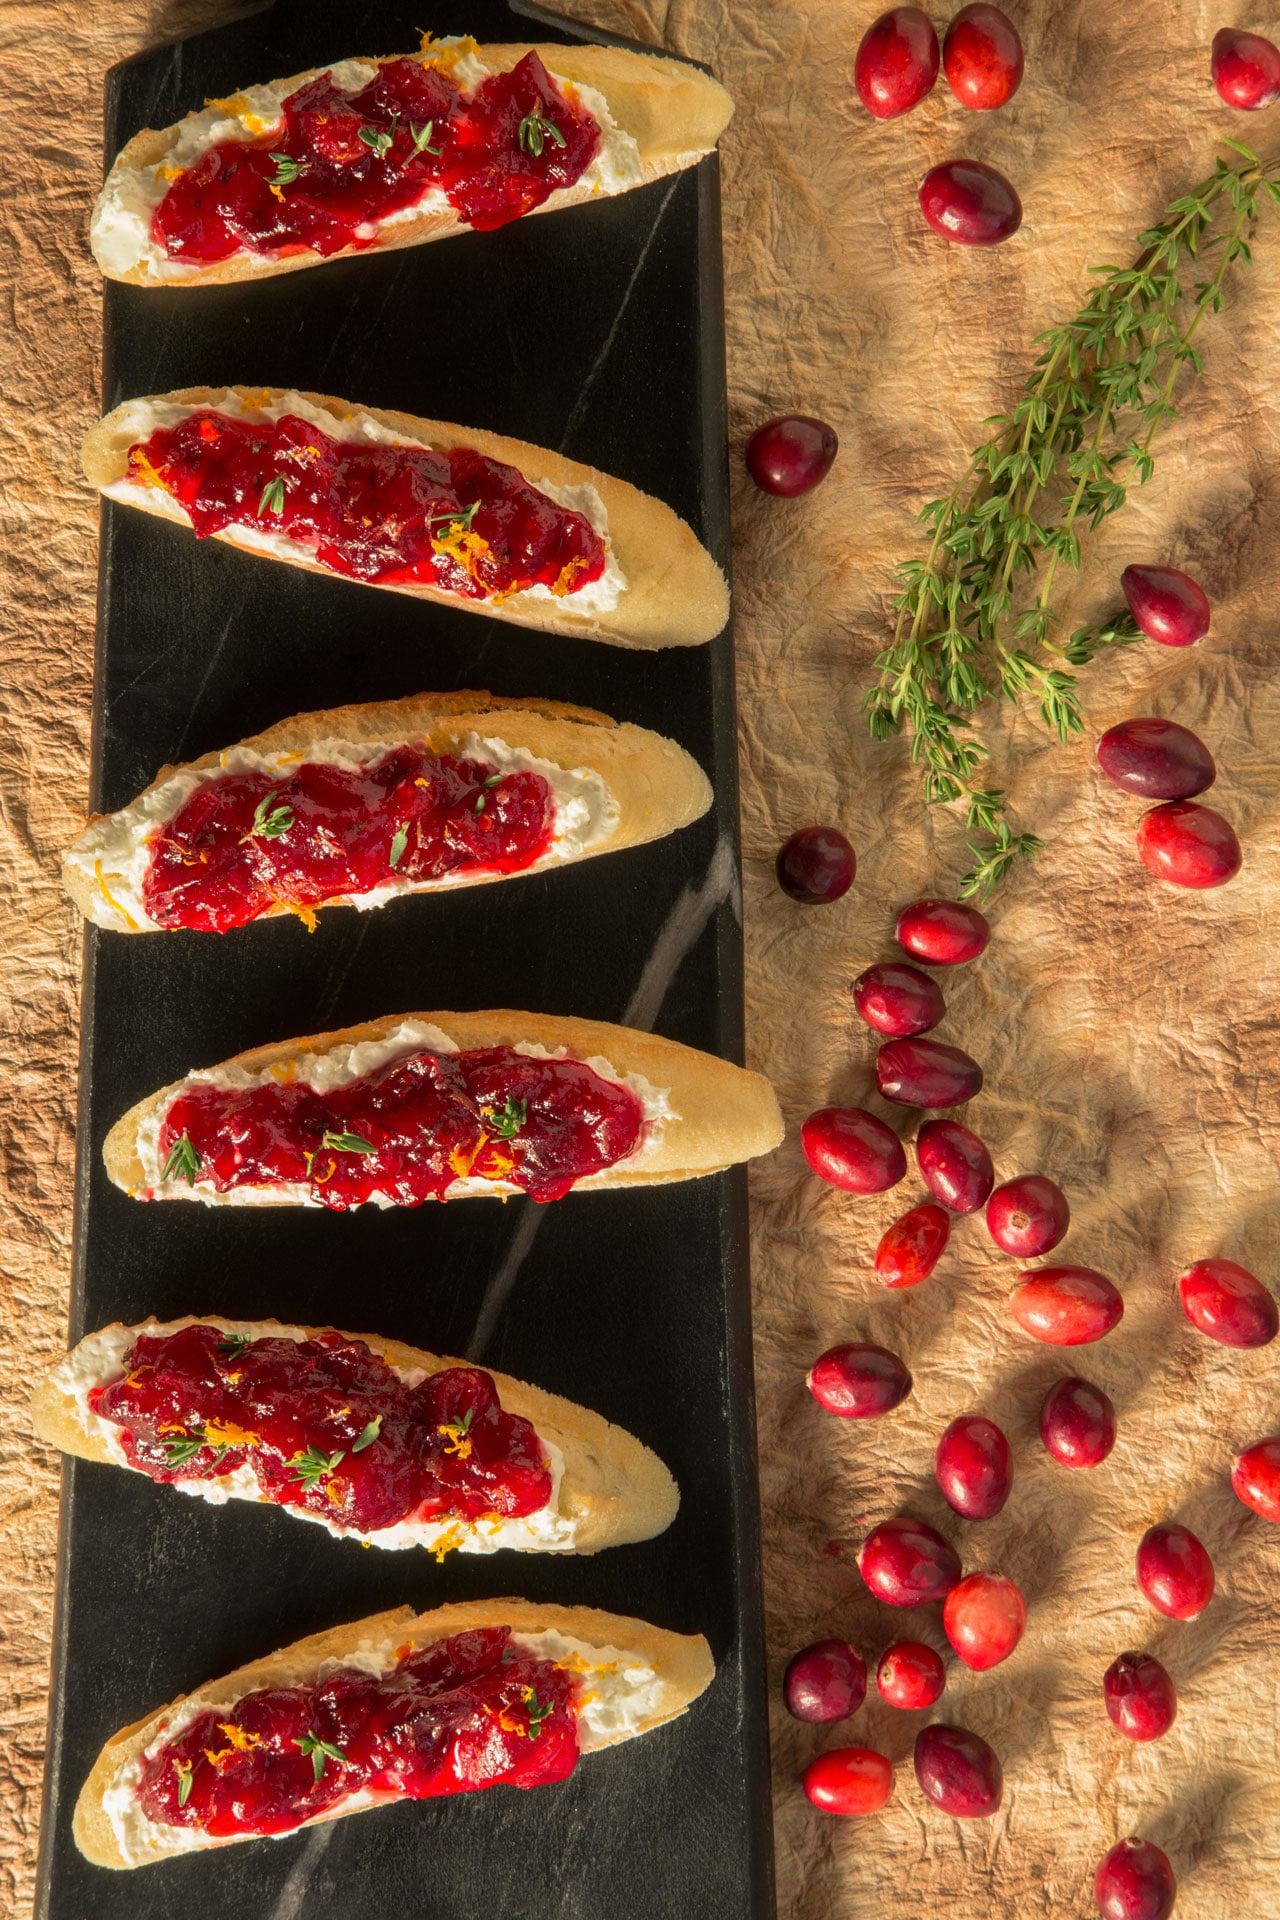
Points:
(598, 331)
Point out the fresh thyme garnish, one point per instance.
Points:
(368, 1435)
(422, 137)
(505, 1123)
(534, 131)
(183, 1163)
(347, 1143)
(312, 1466)
(320, 1751)
(233, 1346)
(183, 1770)
(537, 1712)
(399, 841)
(482, 796)
(269, 823)
(379, 139)
(287, 169)
(178, 1452)
(271, 499)
(458, 518)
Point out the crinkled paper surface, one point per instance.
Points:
(1127, 1031)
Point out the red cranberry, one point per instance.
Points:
(1189, 845)
(906, 1564)
(827, 1681)
(897, 62)
(1028, 1216)
(954, 1165)
(1134, 1882)
(859, 1382)
(898, 1000)
(1167, 606)
(848, 1780)
(790, 455)
(982, 58)
(1141, 1698)
(984, 1618)
(1175, 1572)
(911, 1675)
(1226, 1302)
(958, 1772)
(853, 1150)
(816, 866)
(924, 1073)
(1078, 1424)
(970, 203)
(912, 1246)
(1157, 759)
(1246, 69)
(1256, 1478)
(942, 933)
(1066, 1306)
(972, 1467)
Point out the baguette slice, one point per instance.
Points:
(654, 785)
(673, 114)
(613, 1489)
(681, 1663)
(719, 1113)
(675, 595)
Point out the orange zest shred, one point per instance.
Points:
(564, 584)
(143, 472)
(240, 1737)
(225, 1433)
(455, 1441)
(465, 548)
(111, 900)
(450, 1540)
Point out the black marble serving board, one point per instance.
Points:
(598, 331)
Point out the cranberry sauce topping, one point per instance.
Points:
(340, 162)
(461, 1714)
(325, 1425)
(398, 515)
(407, 1131)
(244, 843)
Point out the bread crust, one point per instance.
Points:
(614, 1487)
(658, 787)
(683, 1662)
(676, 595)
(723, 1113)
(673, 112)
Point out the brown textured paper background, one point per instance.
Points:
(1127, 1031)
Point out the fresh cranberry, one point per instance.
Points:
(816, 866)
(827, 1681)
(853, 1150)
(1077, 1424)
(848, 1780)
(911, 1675)
(958, 1772)
(790, 455)
(954, 1165)
(973, 1468)
(1028, 1216)
(984, 1618)
(982, 58)
(1066, 1306)
(1141, 1698)
(898, 1000)
(906, 1564)
(1189, 845)
(859, 1382)
(1156, 759)
(897, 62)
(1175, 1572)
(970, 203)
(1256, 1478)
(1135, 1882)
(924, 1073)
(942, 933)
(1246, 69)
(911, 1248)
(1226, 1302)
(1167, 606)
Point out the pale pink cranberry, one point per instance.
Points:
(848, 1780)
(1140, 1697)
(825, 1682)
(958, 1771)
(1229, 1304)
(973, 1468)
(1175, 1572)
(906, 1564)
(1066, 1306)
(1028, 1216)
(1256, 1478)
(911, 1676)
(1135, 1882)
(984, 1618)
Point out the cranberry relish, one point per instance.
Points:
(325, 1425)
(456, 1716)
(242, 844)
(407, 1131)
(339, 162)
(396, 515)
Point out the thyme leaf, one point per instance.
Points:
(320, 1751)
(422, 138)
(399, 841)
(505, 1122)
(535, 130)
(312, 1466)
(269, 822)
(183, 1162)
(287, 169)
(379, 139)
(271, 499)
(233, 1346)
(177, 1452)
(347, 1143)
(368, 1434)
(183, 1770)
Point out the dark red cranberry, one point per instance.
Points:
(911, 1675)
(859, 1382)
(848, 1780)
(1135, 1882)
(958, 1772)
(1167, 606)
(853, 1150)
(973, 1468)
(984, 1618)
(906, 1564)
(1141, 1698)
(924, 1073)
(1066, 1306)
(897, 62)
(1256, 1478)
(1028, 1216)
(1077, 1424)
(1156, 759)
(942, 933)
(1175, 1572)
(954, 1165)
(911, 1248)
(816, 866)
(1226, 1302)
(790, 455)
(898, 1000)
(1189, 845)
(970, 203)
(827, 1681)
(1246, 69)
(982, 58)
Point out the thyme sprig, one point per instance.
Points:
(976, 619)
